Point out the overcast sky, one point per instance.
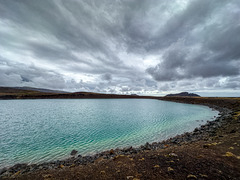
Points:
(122, 46)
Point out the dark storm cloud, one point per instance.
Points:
(67, 22)
(210, 50)
(101, 45)
(177, 65)
(181, 24)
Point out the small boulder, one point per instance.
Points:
(17, 173)
(233, 131)
(204, 176)
(190, 176)
(206, 145)
(72, 165)
(170, 169)
(147, 146)
(111, 151)
(47, 176)
(74, 152)
(173, 155)
(17, 167)
(61, 166)
(3, 170)
(130, 177)
(228, 154)
(102, 172)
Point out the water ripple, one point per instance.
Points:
(35, 131)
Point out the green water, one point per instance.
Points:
(34, 131)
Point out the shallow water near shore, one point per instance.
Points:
(34, 131)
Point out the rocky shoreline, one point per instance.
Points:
(201, 133)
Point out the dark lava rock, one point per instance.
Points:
(127, 149)
(111, 151)
(17, 167)
(233, 131)
(74, 152)
(206, 146)
(147, 146)
(3, 170)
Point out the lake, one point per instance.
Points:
(34, 131)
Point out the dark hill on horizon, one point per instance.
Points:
(25, 88)
(38, 93)
(183, 94)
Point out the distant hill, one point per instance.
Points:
(39, 90)
(38, 93)
(185, 94)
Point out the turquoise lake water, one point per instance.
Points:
(34, 131)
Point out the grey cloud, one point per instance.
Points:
(225, 41)
(217, 53)
(18, 74)
(60, 20)
(139, 34)
(210, 84)
(13, 74)
(193, 40)
(107, 77)
(25, 79)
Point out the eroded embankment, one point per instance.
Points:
(209, 152)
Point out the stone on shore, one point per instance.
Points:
(170, 169)
(111, 151)
(74, 152)
(173, 155)
(190, 176)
